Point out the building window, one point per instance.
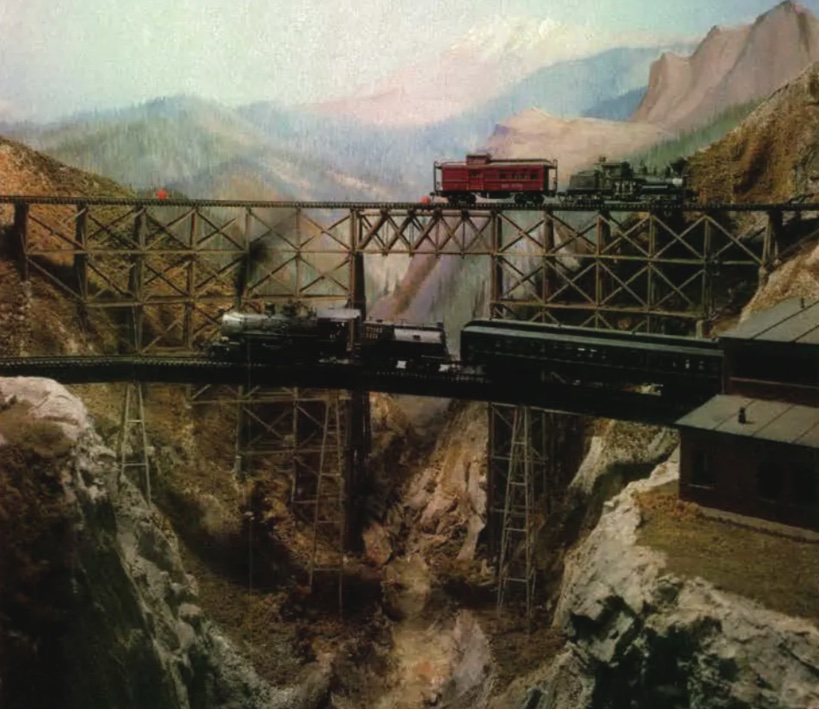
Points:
(702, 470)
(769, 481)
(804, 491)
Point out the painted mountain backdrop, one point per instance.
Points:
(731, 66)
(518, 88)
(506, 65)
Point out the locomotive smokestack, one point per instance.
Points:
(257, 252)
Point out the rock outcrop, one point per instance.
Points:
(447, 501)
(642, 637)
(133, 632)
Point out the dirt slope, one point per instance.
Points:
(731, 66)
(772, 156)
(26, 172)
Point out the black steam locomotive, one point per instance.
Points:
(298, 334)
(620, 182)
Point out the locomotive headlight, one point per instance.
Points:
(677, 181)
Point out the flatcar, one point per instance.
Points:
(677, 364)
(419, 347)
(480, 175)
(619, 182)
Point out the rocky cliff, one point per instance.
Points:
(100, 611)
(643, 637)
(730, 66)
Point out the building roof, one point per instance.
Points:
(792, 320)
(764, 420)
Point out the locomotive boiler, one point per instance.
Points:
(298, 332)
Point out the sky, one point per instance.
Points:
(63, 56)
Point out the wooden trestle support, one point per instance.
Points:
(518, 527)
(330, 502)
(132, 446)
(308, 439)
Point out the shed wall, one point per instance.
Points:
(750, 477)
(782, 372)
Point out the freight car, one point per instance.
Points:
(677, 364)
(619, 182)
(480, 175)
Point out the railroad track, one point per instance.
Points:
(550, 204)
(588, 400)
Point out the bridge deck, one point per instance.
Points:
(605, 402)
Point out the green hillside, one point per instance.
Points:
(156, 144)
(658, 156)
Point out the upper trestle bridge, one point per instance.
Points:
(649, 266)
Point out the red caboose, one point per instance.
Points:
(527, 181)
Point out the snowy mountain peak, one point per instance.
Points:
(507, 34)
(543, 40)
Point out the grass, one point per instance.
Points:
(778, 572)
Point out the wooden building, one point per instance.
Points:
(754, 450)
(752, 457)
(774, 354)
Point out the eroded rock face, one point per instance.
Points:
(622, 449)
(450, 494)
(640, 637)
(136, 636)
(46, 400)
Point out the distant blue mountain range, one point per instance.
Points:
(188, 142)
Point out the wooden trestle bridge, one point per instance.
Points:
(150, 277)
